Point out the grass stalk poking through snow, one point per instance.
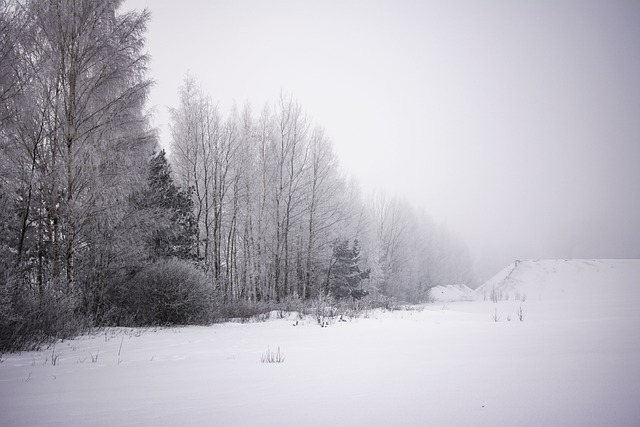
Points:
(272, 357)
(120, 350)
(521, 314)
(54, 356)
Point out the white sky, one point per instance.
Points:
(516, 124)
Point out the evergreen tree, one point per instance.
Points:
(176, 236)
(345, 275)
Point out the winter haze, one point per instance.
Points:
(514, 124)
(265, 213)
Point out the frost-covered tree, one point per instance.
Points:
(344, 274)
(270, 201)
(174, 231)
(206, 151)
(94, 83)
(323, 213)
(411, 253)
(74, 143)
(12, 21)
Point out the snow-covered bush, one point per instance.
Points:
(29, 320)
(167, 292)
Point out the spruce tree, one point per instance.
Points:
(176, 236)
(345, 275)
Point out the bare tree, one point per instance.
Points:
(190, 151)
(74, 142)
(272, 204)
(291, 154)
(324, 209)
(92, 86)
(12, 23)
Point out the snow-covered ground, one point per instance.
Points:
(573, 361)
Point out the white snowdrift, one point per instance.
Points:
(573, 361)
(564, 280)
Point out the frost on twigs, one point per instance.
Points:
(272, 357)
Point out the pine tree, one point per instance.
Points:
(176, 236)
(345, 275)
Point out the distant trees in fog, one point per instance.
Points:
(99, 227)
(272, 205)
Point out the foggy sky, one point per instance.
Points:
(515, 124)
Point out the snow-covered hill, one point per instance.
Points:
(575, 279)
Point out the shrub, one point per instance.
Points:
(28, 321)
(166, 292)
(243, 310)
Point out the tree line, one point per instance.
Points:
(273, 209)
(101, 228)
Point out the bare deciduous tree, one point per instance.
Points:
(75, 140)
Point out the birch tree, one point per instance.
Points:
(12, 21)
(83, 121)
(325, 210)
(74, 143)
(95, 86)
(291, 156)
(272, 206)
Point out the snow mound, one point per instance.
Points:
(451, 293)
(563, 280)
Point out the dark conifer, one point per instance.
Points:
(176, 237)
(345, 276)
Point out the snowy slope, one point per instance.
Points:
(572, 361)
(564, 280)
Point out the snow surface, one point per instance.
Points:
(573, 361)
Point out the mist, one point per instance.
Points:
(294, 212)
(512, 124)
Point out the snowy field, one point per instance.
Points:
(572, 361)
